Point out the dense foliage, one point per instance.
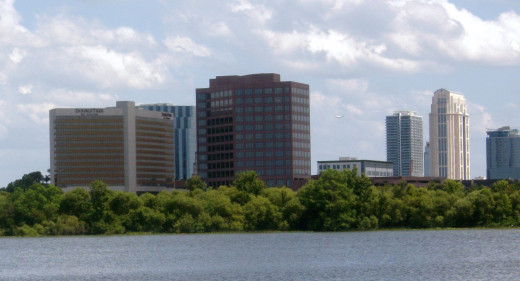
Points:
(335, 202)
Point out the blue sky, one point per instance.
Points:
(364, 59)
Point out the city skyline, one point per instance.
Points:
(362, 59)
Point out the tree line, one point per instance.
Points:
(337, 201)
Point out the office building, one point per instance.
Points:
(127, 148)
(371, 168)
(449, 136)
(253, 122)
(404, 143)
(503, 154)
(184, 131)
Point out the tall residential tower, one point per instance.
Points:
(404, 143)
(449, 136)
(254, 122)
(503, 153)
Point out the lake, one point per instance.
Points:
(375, 255)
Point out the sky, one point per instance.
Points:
(363, 59)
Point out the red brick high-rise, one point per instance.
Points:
(254, 122)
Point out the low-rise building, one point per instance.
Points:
(371, 168)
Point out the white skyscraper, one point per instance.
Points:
(449, 136)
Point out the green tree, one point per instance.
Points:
(329, 202)
(76, 203)
(26, 181)
(250, 182)
(195, 182)
(260, 214)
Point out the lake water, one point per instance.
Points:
(378, 255)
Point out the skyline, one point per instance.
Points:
(362, 59)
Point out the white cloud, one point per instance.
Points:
(258, 13)
(3, 78)
(186, 45)
(25, 89)
(17, 55)
(338, 47)
(354, 110)
(39, 113)
(68, 98)
(423, 26)
(111, 69)
(349, 85)
(219, 29)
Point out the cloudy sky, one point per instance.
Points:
(361, 58)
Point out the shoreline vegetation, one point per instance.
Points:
(337, 201)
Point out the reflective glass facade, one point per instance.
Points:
(503, 154)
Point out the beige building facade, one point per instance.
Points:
(128, 148)
(449, 136)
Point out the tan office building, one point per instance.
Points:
(128, 148)
(449, 136)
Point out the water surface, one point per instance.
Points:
(379, 255)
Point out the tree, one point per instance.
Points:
(250, 182)
(329, 202)
(76, 203)
(26, 181)
(195, 182)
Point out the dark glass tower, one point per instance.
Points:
(254, 122)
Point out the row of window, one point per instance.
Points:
(301, 127)
(220, 174)
(266, 91)
(336, 166)
(221, 94)
(260, 118)
(221, 103)
(305, 172)
(261, 136)
(262, 154)
(298, 153)
(220, 147)
(218, 165)
(263, 163)
(300, 109)
(301, 118)
(216, 157)
(301, 136)
(225, 138)
(216, 130)
(297, 144)
(295, 99)
(262, 127)
(259, 145)
(302, 163)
